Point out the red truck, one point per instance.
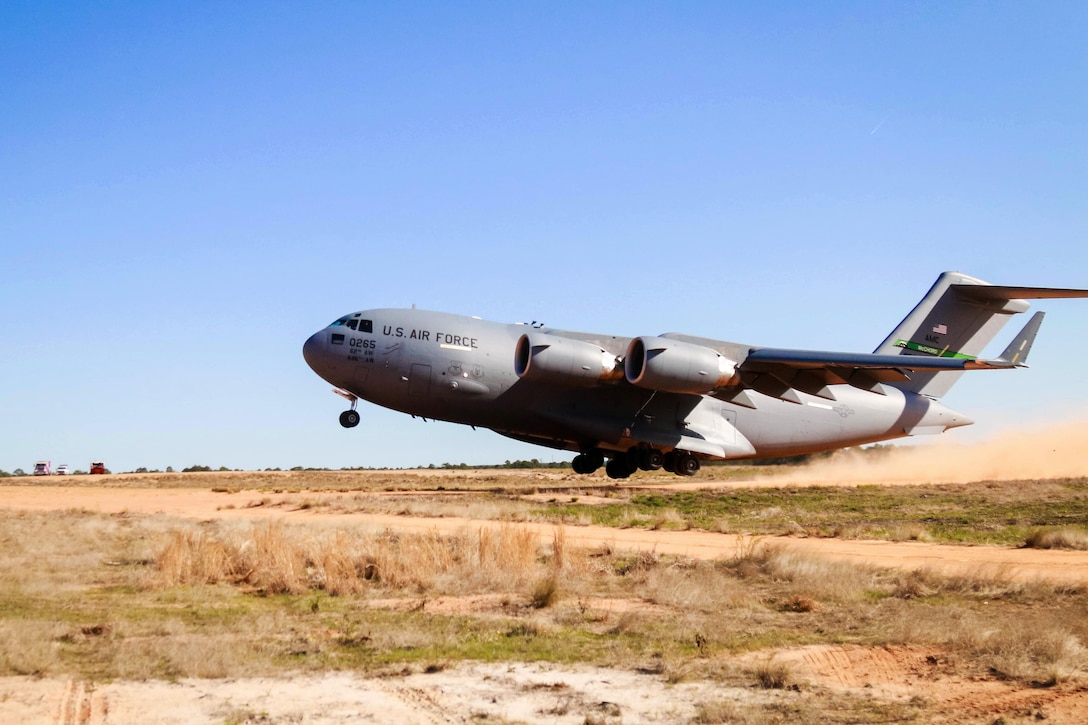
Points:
(98, 467)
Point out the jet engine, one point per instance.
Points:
(659, 363)
(550, 358)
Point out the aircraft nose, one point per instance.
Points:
(312, 351)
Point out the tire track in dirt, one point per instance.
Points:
(988, 701)
(908, 672)
(852, 667)
(80, 704)
(422, 703)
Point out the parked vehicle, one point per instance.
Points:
(42, 468)
(62, 469)
(98, 467)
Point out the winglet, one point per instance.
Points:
(1016, 354)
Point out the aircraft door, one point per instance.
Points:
(419, 381)
(360, 375)
(728, 425)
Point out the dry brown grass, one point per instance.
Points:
(771, 674)
(1037, 648)
(193, 557)
(1057, 538)
(273, 558)
(717, 712)
(695, 586)
(27, 648)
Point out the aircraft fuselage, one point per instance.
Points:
(464, 370)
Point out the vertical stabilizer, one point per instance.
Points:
(958, 317)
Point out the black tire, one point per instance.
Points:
(651, 459)
(596, 460)
(687, 464)
(586, 463)
(349, 419)
(618, 468)
(669, 462)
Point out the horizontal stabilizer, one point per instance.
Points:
(996, 292)
(1017, 352)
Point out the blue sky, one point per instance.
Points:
(188, 190)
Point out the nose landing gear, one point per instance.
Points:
(349, 418)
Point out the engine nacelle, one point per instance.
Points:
(542, 357)
(659, 363)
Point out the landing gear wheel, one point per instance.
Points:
(596, 459)
(587, 463)
(686, 464)
(669, 462)
(619, 467)
(650, 459)
(349, 419)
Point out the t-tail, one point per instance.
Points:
(957, 318)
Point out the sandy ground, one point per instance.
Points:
(527, 693)
(517, 692)
(521, 693)
(533, 693)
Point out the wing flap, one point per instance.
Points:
(839, 362)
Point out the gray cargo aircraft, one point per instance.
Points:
(671, 401)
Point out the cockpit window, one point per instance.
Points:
(355, 323)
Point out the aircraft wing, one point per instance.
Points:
(808, 360)
(779, 372)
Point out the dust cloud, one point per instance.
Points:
(1057, 450)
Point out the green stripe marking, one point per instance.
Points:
(928, 350)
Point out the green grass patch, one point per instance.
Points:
(1003, 512)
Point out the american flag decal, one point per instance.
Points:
(941, 329)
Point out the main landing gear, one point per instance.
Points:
(622, 465)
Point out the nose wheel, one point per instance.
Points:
(349, 418)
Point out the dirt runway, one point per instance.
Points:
(1069, 567)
